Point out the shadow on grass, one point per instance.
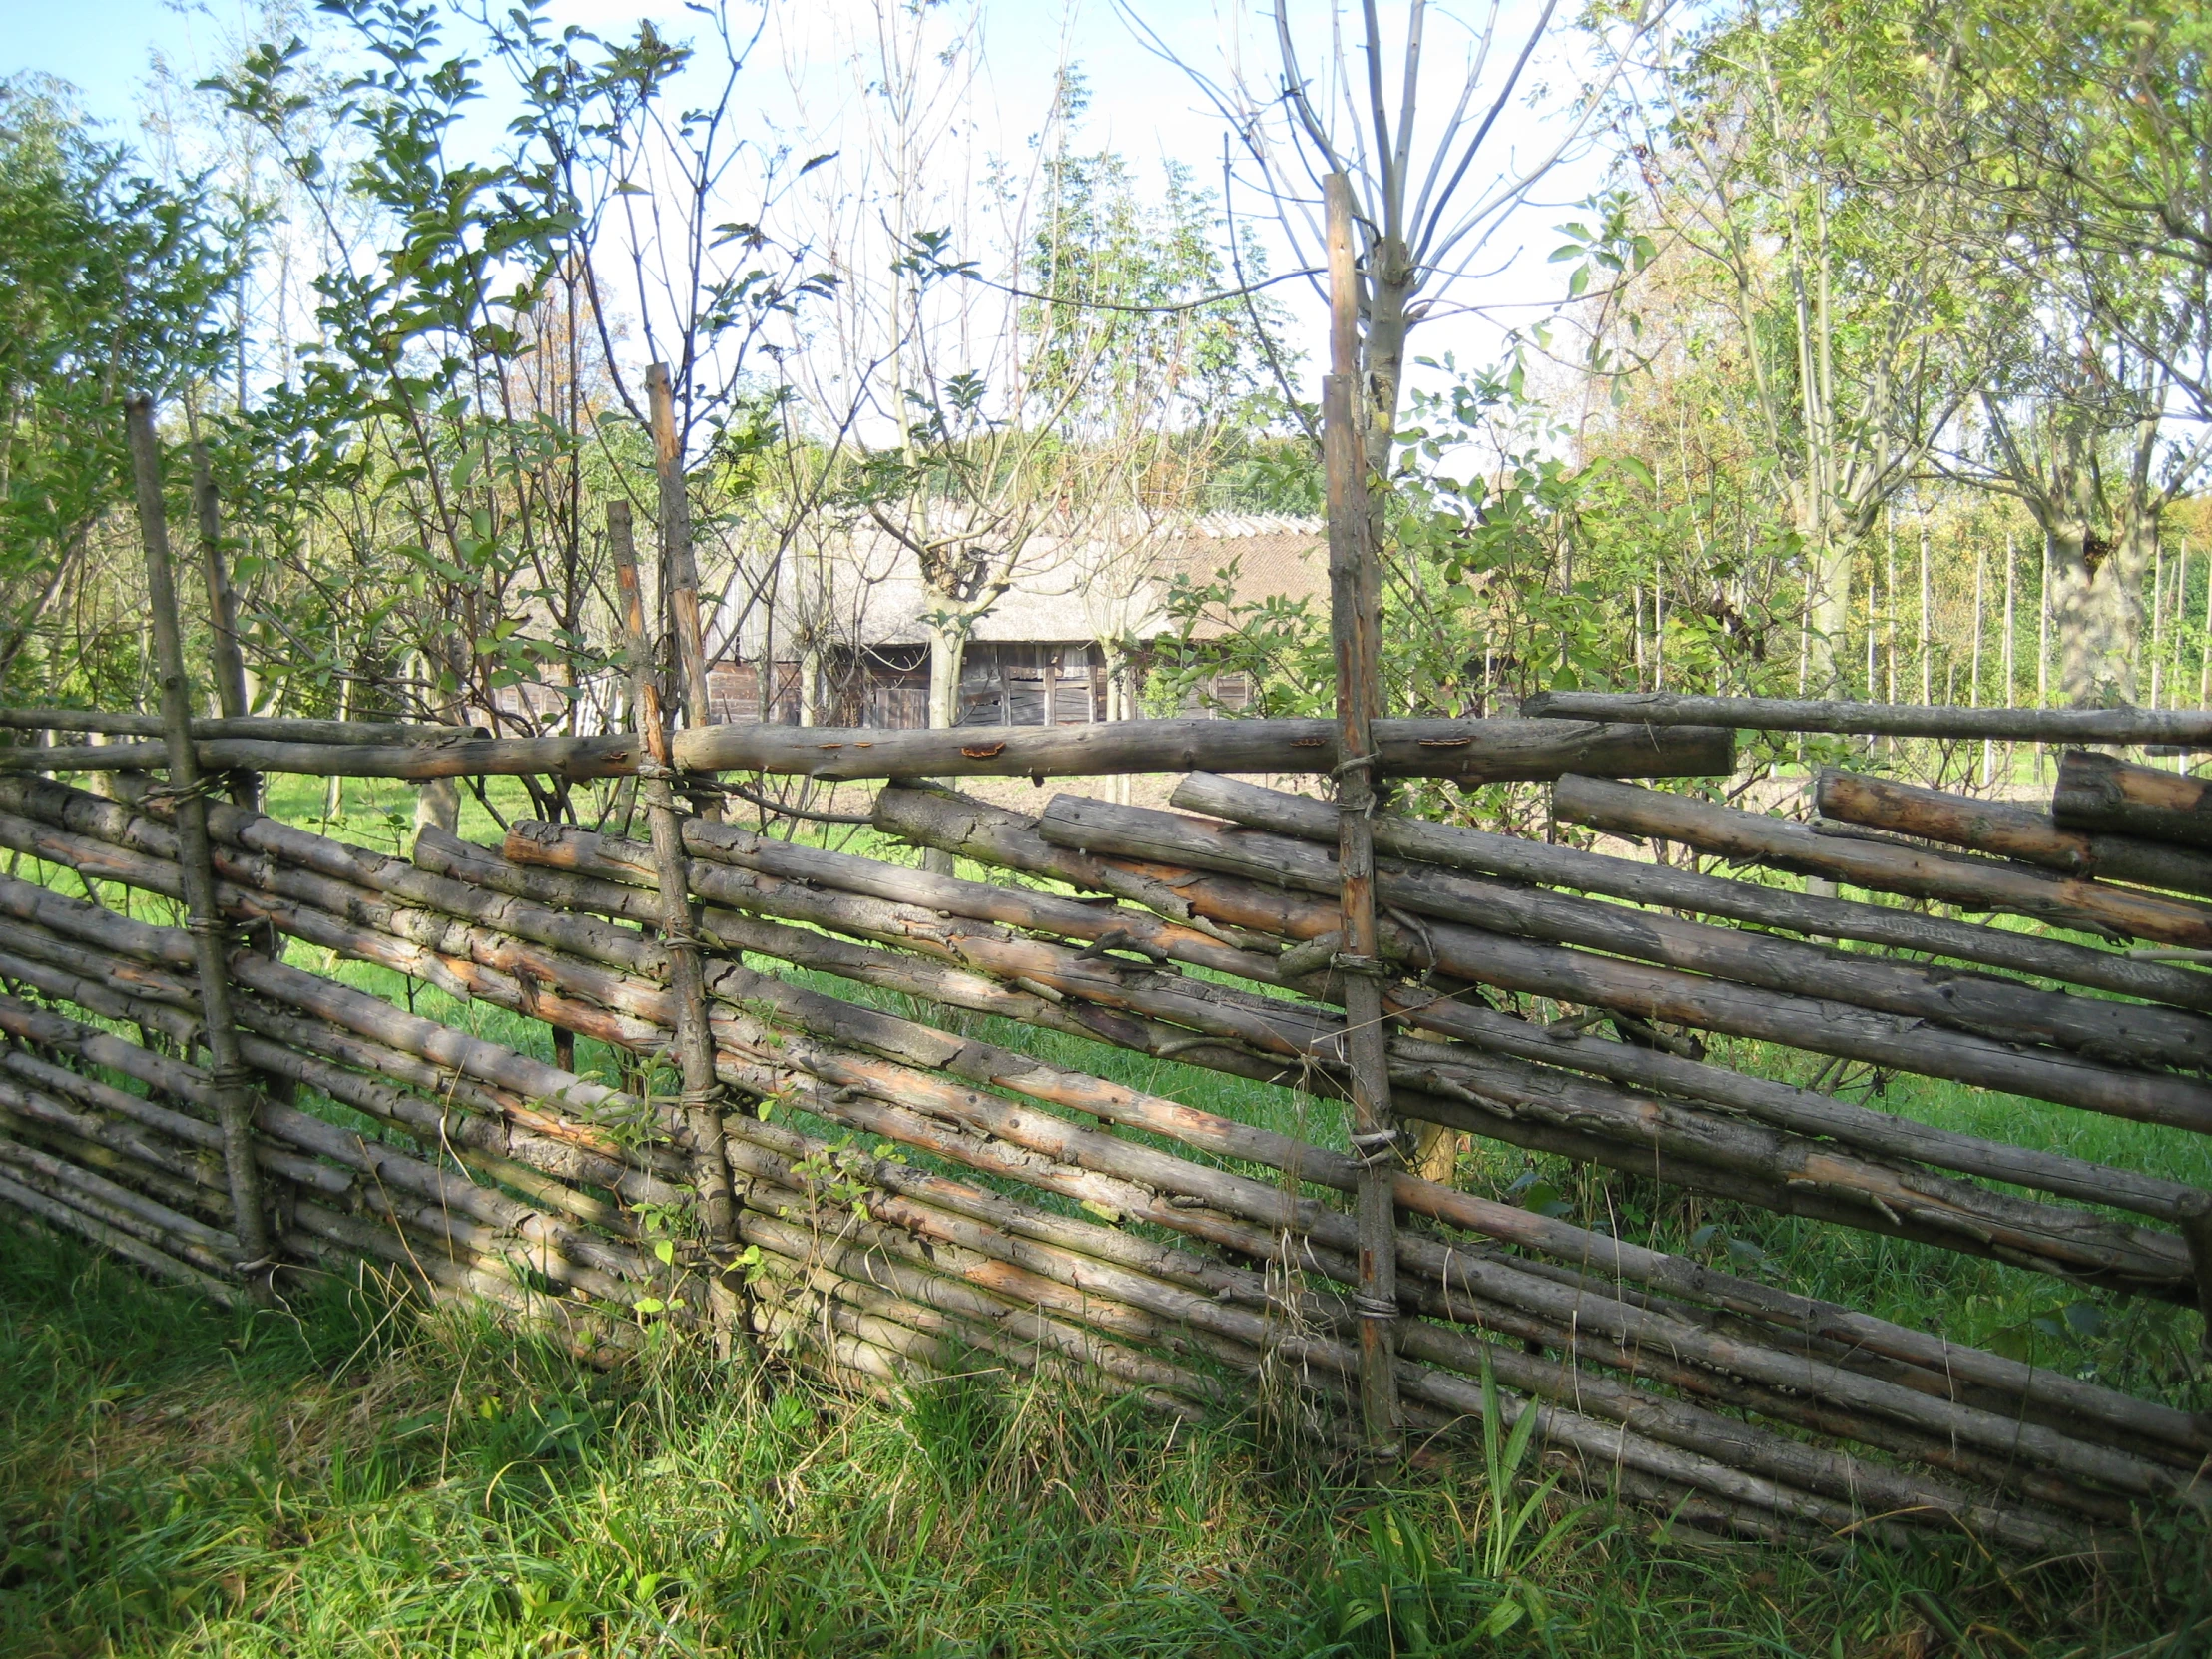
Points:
(368, 1478)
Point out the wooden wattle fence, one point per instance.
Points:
(808, 1150)
(904, 1194)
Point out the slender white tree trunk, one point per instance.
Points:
(1927, 682)
(2011, 571)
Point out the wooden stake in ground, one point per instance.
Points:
(1356, 623)
(695, 1051)
(222, 613)
(679, 564)
(236, 1097)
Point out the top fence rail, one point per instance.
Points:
(1472, 750)
(1620, 735)
(2181, 728)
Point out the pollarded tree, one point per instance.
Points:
(2085, 154)
(2091, 427)
(1786, 160)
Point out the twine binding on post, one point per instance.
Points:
(1378, 1147)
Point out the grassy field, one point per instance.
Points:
(354, 1476)
(351, 1479)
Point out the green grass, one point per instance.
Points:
(368, 1479)
(354, 1478)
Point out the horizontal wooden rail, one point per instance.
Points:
(2097, 792)
(272, 729)
(2187, 728)
(1472, 750)
(2009, 830)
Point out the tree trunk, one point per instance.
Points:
(439, 804)
(1833, 560)
(948, 659)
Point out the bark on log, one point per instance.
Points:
(553, 1091)
(239, 1091)
(54, 1212)
(385, 1165)
(874, 1113)
(693, 1045)
(1271, 1200)
(296, 863)
(170, 1231)
(1721, 1156)
(920, 1045)
(446, 1264)
(1475, 750)
(2099, 791)
(1669, 1423)
(1471, 751)
(1210, 1133)
(1494, 957)
(2007, 830)
(996, 835)
(183, 1180)
(271, 727)
(1520, 1214)
(1749, 837)
(1480, 1275)
(1089, 1293)
(1660, 884)
(2125, 1032)
(2053, 1240)
(148, 1132)
(507, 1140)
(2188, 727)
(801, 1264)
(456, 755)
(1354, 613)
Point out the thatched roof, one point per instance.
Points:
(864, 587)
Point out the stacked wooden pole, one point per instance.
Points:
(1812, 1166)
(2101, 792)
(2189, 726)
(2009, 830)
(1467, 750)
(927, 1238)
(1607, 1313)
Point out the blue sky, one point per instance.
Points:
(101, 46)
(1140, 106)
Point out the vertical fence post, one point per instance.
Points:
(237, 1096)
(1355, 627)
(679, 563)
(222, 613)
(694, 1049)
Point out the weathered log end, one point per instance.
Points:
(2101, 792)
